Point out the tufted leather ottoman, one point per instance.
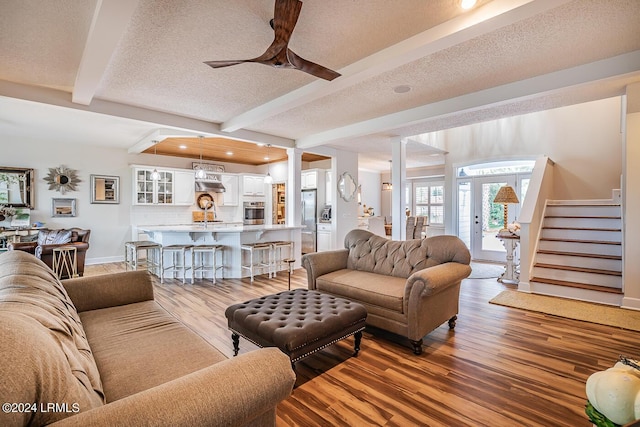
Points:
(298, 322)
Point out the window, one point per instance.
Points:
(429, 201)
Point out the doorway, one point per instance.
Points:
(479, 219)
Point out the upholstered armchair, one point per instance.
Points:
(48, 240)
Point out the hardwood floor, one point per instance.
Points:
(500, 367)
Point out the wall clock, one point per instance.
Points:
(62, 179)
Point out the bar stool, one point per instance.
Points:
(198, 261)
(178, 261)
(289, 262)
(277, 260)
(258, 248)
(152, 255)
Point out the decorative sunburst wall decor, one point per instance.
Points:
(62, 179)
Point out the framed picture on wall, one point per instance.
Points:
(63, 207)
(105, 189)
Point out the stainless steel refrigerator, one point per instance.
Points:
(309, 220)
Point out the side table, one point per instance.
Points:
(510, 275)
(65, 262)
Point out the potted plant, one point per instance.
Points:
(6, 212)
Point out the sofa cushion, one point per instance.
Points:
(41, 333)
(401, 258)
(365, 287)
(125, 342)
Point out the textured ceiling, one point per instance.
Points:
(141, 64)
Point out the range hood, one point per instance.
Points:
(210, 185)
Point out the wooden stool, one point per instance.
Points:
(289, 262)
(260, 248)
(65, 261)
(277, 260)
(198, 263)
(177, 253)
(152, 255)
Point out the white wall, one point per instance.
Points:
(631, 195)
(345, 214)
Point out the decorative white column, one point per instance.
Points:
(294, 187)
(398, 182)
(631, 196)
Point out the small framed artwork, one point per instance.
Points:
(63, 207)
(105, 189)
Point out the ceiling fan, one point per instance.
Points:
(278, 54)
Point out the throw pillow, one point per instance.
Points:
(52, 237)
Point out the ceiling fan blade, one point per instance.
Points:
(220, 64)
(311, 67)
(285, 17)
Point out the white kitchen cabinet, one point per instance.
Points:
(231, 196)
(323, 235)
(146, 191)
(252, 185)
(309, 179)
(185, 191)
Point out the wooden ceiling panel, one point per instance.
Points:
(225, 150)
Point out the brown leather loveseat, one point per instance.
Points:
(48, 240)
(408, 287)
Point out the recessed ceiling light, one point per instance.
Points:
(229, 153)
(467, 4)
(260, 144)
(266, 157)
(402, 89)
(183, 147)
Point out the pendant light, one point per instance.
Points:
(155, 175)
(387, 186)
(200, 172)
(268, 179)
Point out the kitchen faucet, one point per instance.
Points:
(207, 205)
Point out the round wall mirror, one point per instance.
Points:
(62, 179)
(347, 187)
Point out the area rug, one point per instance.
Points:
(481, 270)
(578, 310)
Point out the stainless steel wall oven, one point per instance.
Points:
(253, 213)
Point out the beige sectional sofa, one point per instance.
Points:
(408, 287)
(99, 351)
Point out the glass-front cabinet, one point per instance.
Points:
(150, 192)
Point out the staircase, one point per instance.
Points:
(579, 253)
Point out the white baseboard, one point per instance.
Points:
(103, 260)
(631, 303)
(524, 287)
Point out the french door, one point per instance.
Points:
(479, 219)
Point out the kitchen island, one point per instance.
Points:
(230, 235)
